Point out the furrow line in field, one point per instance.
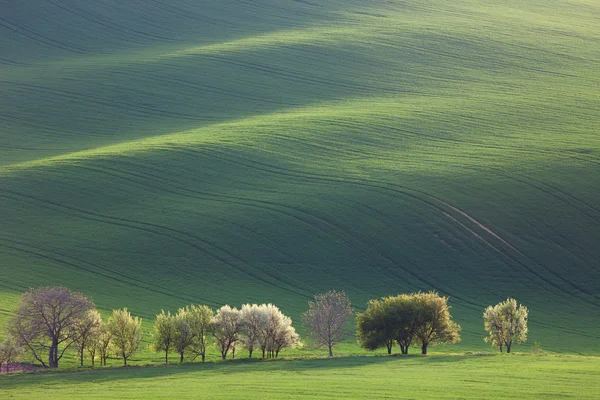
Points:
(11, 26)
(531, 270)
(298, 77)
(139, 109)
(560, 154)
(394, 187)
(106, 23)
(205, 87)
(25, 122)
(174, 234)
(171, 8)
(109, 274)
(263, 205)
(360, 243)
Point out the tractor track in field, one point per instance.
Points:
(217, 252)
(109, 274)
(111, 103)
(24, 31)
(352, 245)
(404, 190)
(105, 23)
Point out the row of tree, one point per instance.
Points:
(52, 320)
(262, 327)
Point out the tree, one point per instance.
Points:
(102, 343)
(433, 320)
(385, 321)
(326, 318)
(372, 329)
(46, 320)
(87, 330)
(226, 328)
(126, 332)
(276, 331)
(193, 325)
(10, 352)
(506, 323)
(402, 314)
(165, 333)
(254, 319)
(285, 337)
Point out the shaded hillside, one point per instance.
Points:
(155, 153)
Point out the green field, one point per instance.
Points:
(157, 153)
(457, 377)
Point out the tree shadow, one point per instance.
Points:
(299, 365)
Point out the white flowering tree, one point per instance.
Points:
(226, 327)
(506, 323)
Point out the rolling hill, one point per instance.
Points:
(155, 153)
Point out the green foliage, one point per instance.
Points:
(193, 325)
(433, 322)
(165, 333)
(420, 318)
(505, 323)
(126, 333)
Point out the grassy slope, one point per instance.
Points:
(459, 377)
(156, 153)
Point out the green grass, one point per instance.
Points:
(158, 153)
(434, 377)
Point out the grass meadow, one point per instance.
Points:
(159, 153)
(409, 377)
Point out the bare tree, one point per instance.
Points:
(87, 330)
(505, 323)
(126, 333)
(326, 318)
(46, 320)
(226, 328)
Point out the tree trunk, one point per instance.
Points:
(500, 348)
(166, 356)
(125, 359)
(330, 351)
(276, 353)
(263, 352)
(181, 354)
(81, 357)
(203, 356)
(508, 347)
(424, 349)
(53, 356)
(250, 352)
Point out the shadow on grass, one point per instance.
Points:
(104, 374)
